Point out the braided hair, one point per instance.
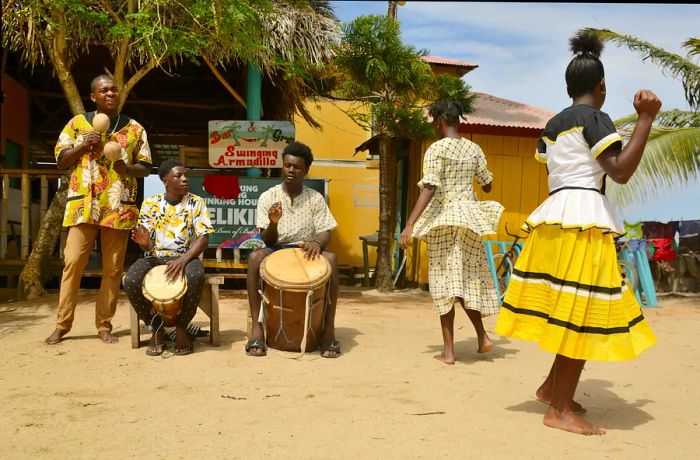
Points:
(446, 110)
(585, 70)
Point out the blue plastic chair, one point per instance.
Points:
(646, 291)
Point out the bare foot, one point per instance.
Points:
(485, 344)
(545, 396)
(447, 359)
(568, 421)
(107, 337)
(55, 337)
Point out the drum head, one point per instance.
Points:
(288, 267)
(157, 287)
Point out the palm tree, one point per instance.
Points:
(267, 131)
(672, 155)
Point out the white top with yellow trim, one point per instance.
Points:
(570, 145)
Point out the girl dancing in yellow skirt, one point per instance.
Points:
(566, 292)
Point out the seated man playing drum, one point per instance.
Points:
(173, 230)
(293, 215)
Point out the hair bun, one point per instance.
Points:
(586, 42)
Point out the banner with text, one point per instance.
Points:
(248, 144)
(233, 219)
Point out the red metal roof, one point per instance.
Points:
(446, 61)
(495, 111)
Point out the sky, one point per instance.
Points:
(522, 52)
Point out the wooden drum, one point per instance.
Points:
(295, 292)
(165, 296)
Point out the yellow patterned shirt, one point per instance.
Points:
(301, 221)
(96, 193)
(174, 227)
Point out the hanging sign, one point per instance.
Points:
(248, 144)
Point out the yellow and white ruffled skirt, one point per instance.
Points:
(568, 295)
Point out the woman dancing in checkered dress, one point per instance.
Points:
(448, 217)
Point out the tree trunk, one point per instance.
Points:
(391, 11)
(387, 195)
(57, 51)
(30, 280)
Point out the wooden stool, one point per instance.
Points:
(368, 240)
(209, 304)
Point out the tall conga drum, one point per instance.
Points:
(165, 295)
(295, 292)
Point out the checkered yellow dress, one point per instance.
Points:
(452, 226)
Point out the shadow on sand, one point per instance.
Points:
(605, 408)
(18, 317)
(466, 353)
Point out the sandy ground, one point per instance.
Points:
(386, 397)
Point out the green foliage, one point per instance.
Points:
(456, 89)
(671, 118)
(376, 67)
(671, 160)
(168, 31)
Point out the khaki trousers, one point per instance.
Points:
(79, 244)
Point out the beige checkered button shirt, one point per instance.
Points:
(302, 220)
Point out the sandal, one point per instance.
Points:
(184, 351)
(155, 350)
(193, 331)
(333, 347)
(256, 343)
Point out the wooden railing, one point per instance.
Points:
(25, 175)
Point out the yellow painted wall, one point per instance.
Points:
(353, 190)
(519, 184)
(520, 181)
(338, 136)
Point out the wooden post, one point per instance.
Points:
(253, 101)
(44, 201)
(26, 192)
(4, 217)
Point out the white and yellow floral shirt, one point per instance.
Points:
(174, 227)
(302, 220)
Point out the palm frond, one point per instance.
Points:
(671, 118)
(671, 160)
(671, 63)
(693, 45)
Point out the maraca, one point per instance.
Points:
(100, 123)
(112, 151)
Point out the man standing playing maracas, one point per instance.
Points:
(101, 197)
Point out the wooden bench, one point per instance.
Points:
(209, 304)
